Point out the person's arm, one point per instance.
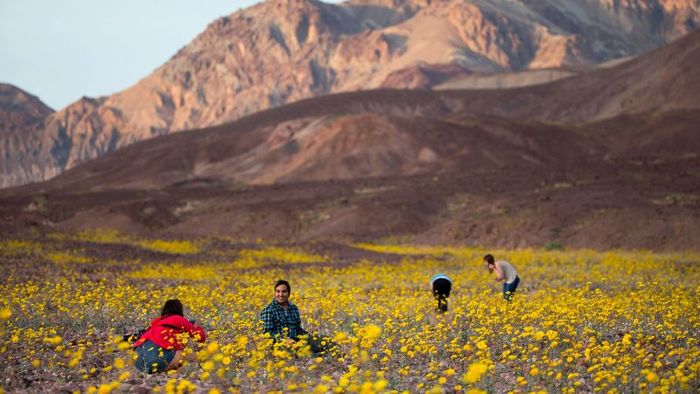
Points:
(195, 332)
(499, 272)
(296, 321)
(301, 330)
(268, 322)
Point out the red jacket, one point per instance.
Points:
(169, 331)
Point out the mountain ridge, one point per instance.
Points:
(278, 52)
(505, 168)
(324, 138)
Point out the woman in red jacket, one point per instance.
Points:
(160, 348)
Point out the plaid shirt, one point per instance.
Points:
(275, 320)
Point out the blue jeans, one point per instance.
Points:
(153, 358)
(509, 288)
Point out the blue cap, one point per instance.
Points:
(440, 276)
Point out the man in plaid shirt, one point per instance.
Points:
(281, 318)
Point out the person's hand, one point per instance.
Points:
(289, 341)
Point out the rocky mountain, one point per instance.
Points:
(22, 119)
(566, 163)
(20, 110)
(387, 133)
(282, 51)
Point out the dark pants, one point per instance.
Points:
(320, 344)
(441, 291)
(509, 288)
(153, 358)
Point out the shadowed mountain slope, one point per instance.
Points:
(327, 148)
(489, 181)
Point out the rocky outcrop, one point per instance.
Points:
(279, 52)
(21, 128)
(19, 109)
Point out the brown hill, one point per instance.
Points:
(328, 147)
(656, 136)
(278, 52)
(613, 204)
(662, 80)
(450, 178)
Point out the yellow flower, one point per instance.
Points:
(652, 377)
(54, 340)
(380, 384)
(119, 363)
(474, 372)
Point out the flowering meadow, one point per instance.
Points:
(581, 320)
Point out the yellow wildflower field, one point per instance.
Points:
(581, 320)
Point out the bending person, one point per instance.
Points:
(160, 348)
(441, 285)
(504, 272)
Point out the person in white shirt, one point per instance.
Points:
(504, 272)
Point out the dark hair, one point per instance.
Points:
(172, 307)
(283, 282)
(489, 259)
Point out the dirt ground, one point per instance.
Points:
(603, 206)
